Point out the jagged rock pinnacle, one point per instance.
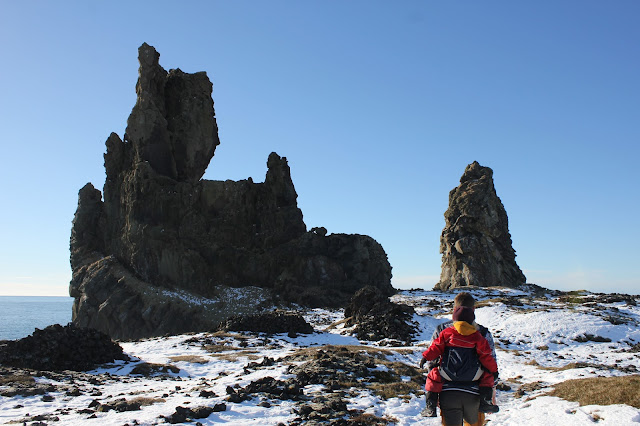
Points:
(475, 244)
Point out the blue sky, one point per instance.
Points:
(378, 106)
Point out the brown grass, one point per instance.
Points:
(350, 348)
(16, 378)
(395, 389)
(224, 334)
(220, 348)
(601, 390)
(528, 388)
(147, 369)
(250, 354)
(571, 366)
(337, 323)
(368, 419)
(144, 400)
(488, 302)
(194, 359)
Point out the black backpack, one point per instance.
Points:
(460, 365)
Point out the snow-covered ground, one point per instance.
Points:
(536, 335)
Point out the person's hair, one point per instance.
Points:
(464, 299)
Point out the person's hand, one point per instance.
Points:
(495, 376)
(422, 361)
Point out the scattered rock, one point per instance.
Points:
(332, 366)
(266, 362)
(634, 347)
(331, 409)
(149, 369)
(40, 419)
(278, 389)
(501, 386)
(322, 410)
(235, 396)
(120, 405)
(475, 243)
(183, 415)
(58, 348)
(591, 338)
(207, 394)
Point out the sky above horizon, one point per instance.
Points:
(378, 107)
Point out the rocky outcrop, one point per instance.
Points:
(269, 322)
(58, 348)
(376, 318)
(163, 251)
(475, 243)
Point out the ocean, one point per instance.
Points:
(21, 315)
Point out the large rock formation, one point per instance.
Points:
(166, 252)
(475, 243)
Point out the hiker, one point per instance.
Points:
(475, 338)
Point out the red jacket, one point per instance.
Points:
(462, 335)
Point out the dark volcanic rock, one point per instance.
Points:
(333, 367)
(164, 251)
(15, 382)
(61, 348)
(330, 409)
(377, 318)
(475, 243)
(340, 368)
(120, 405)
(287, 389)
(269, 322)
(183, 415)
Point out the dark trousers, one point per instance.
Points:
(456, 406)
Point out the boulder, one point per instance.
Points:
(61, 348)
(269, 322)
(162, 251)
(476, 244)
(376, 318)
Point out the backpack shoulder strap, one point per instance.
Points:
(483, 330)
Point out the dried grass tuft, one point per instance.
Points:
(145, 401)
(234, 356)
(194, 359)
(601, 390)
(16, 378)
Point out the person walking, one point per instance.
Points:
(481, 387)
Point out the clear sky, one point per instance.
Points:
(377, 105)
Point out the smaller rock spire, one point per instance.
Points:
(475, 243)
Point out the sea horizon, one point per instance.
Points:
(21, 315)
